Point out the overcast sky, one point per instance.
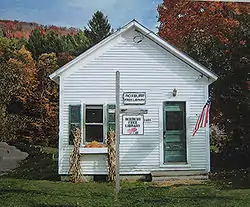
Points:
(76, 13)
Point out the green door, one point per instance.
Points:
(174, 132)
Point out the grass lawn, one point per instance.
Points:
(20, 192)
(35, 183)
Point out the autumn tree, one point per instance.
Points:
(182, 19)
(19, 85)
(232, 91)
(8, 80)
(47, 93)
(217, 35)
(7, 48)
(98, 28)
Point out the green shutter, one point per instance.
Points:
(111, 117)
(74, 120)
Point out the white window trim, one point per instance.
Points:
(83, 149)
(181, 164)
(84, 124)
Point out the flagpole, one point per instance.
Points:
(117, 135)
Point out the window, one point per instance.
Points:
(92, 117)
(175, 120)
(94, 123)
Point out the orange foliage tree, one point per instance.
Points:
(217, 35)
(20, 72)
(47, 93)
(25, 67)
(29, 111)
(181, 19)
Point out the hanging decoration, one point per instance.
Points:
(111, 155)
(75, 167)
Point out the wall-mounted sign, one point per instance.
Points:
(133, 125)
(134, 98)
(133, 111)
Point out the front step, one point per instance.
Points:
(196, 177)
(178, 175)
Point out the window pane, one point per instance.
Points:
(94, 116)
(94, 133)
(178, 106)
(174, 120)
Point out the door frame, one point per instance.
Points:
(188, 134)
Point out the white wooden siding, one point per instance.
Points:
(144, 67)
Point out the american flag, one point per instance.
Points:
(203, 118)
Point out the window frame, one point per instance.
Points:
(184, 127)
(84, 124)
(188, 134)
(93, 106)
(105, 123)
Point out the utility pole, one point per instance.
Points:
(117, 135)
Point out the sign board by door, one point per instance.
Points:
(134, 98)
(133, 125)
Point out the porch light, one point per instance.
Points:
(174, 92)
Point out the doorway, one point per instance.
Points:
(174, 132)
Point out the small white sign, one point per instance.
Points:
(134, 98)
(133, 125)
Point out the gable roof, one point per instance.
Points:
(148, 34)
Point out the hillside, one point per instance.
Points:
(19, 29)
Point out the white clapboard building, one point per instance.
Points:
(162, 94)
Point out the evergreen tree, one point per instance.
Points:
(68, 46)
(36, 43)
(21, 42)
(1, 32)
(81, 43)
(7, 48)
(53, 43)
(98, 28)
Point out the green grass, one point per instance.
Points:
(20, 192)
(35, 183)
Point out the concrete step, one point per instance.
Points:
(168, 178)
(176, 173)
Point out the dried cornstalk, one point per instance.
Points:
(75, 167)
(111, 155)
